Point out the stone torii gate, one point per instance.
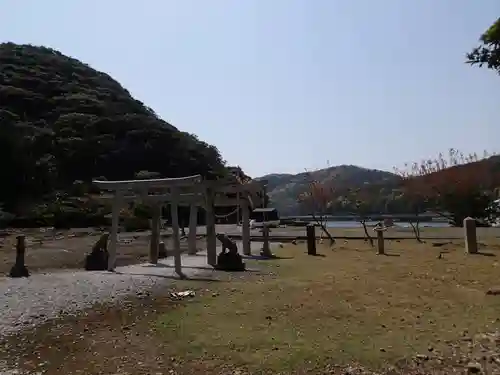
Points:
(192, 191)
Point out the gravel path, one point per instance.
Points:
(31, 301)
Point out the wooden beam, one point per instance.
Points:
(210, 222)
(174, 211)
(191, 182)
(249, 188)
(184, 199)
(151, 183)
(155, 234)
(193, 223)
(245, 228)
(113, 235)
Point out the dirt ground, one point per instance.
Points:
(49, 250)
(422, 308)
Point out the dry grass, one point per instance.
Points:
(301, 314)
(394, 232)
(350, 305)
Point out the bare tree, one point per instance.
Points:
(317, 201)
(357, 198)
(414, 191)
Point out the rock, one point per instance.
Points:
(440, 244)
(474, 368)
(493, 292)
(422, 357)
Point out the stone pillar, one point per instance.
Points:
(266, 251)
(19, 269)
(210, 221)
(113, 235)
(245, 227)
(162, 250)
(155, 234)
(193, 222)
(470, 235)
(380, 242)
(174, 208)
(311, 239)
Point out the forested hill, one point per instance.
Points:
(62, 121)
(284, 189)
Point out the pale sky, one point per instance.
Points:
(284, 85)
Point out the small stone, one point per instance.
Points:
(422, 357)
(474, 368)
(382, 350)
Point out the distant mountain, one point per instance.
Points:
(283, 189)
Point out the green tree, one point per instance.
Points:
(62, 121)
(488, 52)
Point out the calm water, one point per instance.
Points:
(402, 224)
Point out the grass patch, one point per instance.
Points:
(349, 306)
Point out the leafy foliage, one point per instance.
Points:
(488, 53)
(456, 186)
(63, 121)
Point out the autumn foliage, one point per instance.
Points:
(455, 186)
(317, 198)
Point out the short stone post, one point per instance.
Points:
(19, 269)
(311, 239)
(470, 235)
(266, 251)
(380, 242)
(162, 250)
